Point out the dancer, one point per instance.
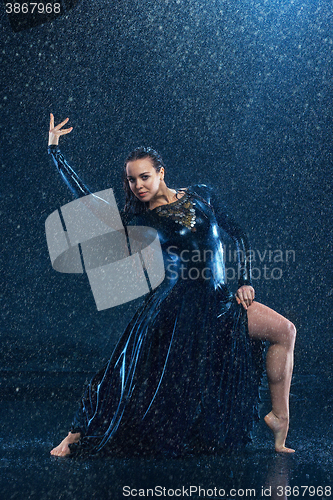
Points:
(184, 377)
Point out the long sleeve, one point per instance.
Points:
(73, 181)
(230, 226)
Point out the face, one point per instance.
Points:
(143, 179)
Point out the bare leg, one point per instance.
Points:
(266, 324)
(63, 449)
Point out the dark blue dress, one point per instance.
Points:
(184, 377)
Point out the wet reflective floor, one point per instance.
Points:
(31, 425)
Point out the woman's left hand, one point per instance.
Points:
(245, 295)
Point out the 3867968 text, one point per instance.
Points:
(33, 8)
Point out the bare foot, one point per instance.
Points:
(63, 449)
(279, 427)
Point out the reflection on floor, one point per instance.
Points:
(31, 425)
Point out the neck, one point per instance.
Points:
(163, 197)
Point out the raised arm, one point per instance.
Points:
(73, 181)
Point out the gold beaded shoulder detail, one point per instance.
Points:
(182, 211)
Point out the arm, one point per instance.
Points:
(226, 222)
(72, 180)
(245, 292)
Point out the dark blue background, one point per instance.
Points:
(234, 93)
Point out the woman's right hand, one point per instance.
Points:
(56, 132)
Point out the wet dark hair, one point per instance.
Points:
(132, 203)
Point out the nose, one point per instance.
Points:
(138, 184)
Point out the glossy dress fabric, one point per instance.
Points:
(184, 376)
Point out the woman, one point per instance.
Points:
(184, 376)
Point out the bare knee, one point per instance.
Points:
(290, 333)
(285, 335)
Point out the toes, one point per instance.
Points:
(283, 449)
(289, 450)
(60, 452)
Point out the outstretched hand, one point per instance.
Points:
(245, 295)
(56, 132)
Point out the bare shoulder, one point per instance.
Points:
(181, 192)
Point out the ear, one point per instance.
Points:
(161, 172)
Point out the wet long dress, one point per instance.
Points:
(184, 377)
